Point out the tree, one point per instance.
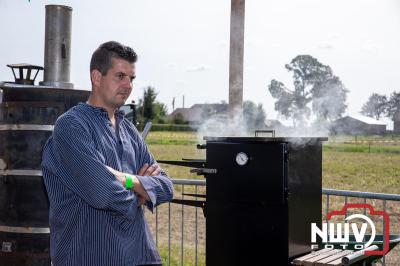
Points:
(375, 106)
(313, 83)
(179, 119)
(290, 104)
(253, 115)
(149, 109)
(329, 99)
(393, 104)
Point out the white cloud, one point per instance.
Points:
(198, 68)
(369, 46)
(181, 82)
(171, 65)
(223, 44)
(325, 46)
(275, 44)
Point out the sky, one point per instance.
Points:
(183, 45)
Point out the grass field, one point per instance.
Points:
(363, 164)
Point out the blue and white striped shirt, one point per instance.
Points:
(94, 220)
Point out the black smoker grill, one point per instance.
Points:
(261, 197)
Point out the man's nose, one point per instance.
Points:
(127, 83)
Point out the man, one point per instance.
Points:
(98, 172)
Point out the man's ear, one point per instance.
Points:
(95, 76)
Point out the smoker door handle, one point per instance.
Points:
(185, 162)
(203, 171)
(272, 132)
(287, 193)
(286, 190)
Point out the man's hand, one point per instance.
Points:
(142, 201)
(119, 175)
(146, 170)
(137, 186)
(151, 170)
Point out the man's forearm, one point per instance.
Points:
(139, 189)
(149, 185)
(137, 186)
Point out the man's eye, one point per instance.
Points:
(120, 76)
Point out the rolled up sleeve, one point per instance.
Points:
(160, 187)
(84, 170)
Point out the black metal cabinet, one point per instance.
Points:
(262, 199)
(262, 179)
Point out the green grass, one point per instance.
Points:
(362, 148)
(172, 138)
(374, 172)
(189, 256)
(365, 138)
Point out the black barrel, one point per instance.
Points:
(27, 117)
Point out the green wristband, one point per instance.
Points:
(128, 181)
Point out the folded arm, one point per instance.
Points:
(82, 169)
(153, 179)
(148, 186)
(137, 186)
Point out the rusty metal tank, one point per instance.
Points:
(27, 117)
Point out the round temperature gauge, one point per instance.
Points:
(242, 158)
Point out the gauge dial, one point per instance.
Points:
(242, 158)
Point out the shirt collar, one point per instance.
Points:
(100, 110)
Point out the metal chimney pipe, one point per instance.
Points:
(236, 56)
(57, 47)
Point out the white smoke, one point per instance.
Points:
(224, 126)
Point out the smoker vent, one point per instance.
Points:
(25, 68)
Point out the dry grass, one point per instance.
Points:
(374, 172)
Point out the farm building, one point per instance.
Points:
(198, 112)
(358, 125)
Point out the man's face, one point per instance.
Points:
(115, 87)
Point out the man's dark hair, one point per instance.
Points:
(101, 58)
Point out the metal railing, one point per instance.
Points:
(187, 247)
(382, 198)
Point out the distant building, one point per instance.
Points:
(197, 113)
(358, 125)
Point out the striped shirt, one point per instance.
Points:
(93, 219)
